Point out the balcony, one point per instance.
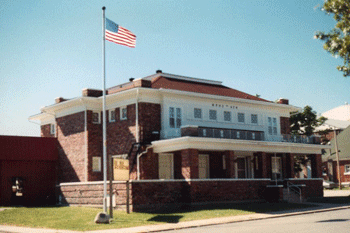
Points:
(197, 131)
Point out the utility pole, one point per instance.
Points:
(337, 154)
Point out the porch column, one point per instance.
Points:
(189, 164)
(316, 165)
(265, 165)
(230, 164)
(290, 165)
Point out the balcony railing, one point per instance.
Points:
(196, 131)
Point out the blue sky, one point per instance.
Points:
(266, 47)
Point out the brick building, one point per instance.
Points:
(176, 128)
(27, 170)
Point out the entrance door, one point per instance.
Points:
(166, 166)
(276, 165)
(203, 166)
(242, 168)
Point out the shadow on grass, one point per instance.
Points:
(254, 207)
(166, 218)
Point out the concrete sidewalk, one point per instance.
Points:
(197, 223)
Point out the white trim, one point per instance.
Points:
(88, 183)
(196, 180)
(182, 143)
(303, 179)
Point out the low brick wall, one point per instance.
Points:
(91, 193)
(156, 194)
(148, 195)
(313, 187)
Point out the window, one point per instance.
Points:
(212, 115)
(254, 119)
(123, 113)
(203, 166)
(347, 169)
(221, 133)
(174, 119)
(96, 117)
(204, 132)
(238, 134)
(111, 115)
(227, 116)
(253, 136)
(52, 129)
(274, 126)
(198, 113)
(96, 164)
(241, 117)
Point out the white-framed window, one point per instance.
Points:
(227, 116)
(274, 126)
(347, 169)
(175, 117)
(52, 129)
(254, 119)
(166, 166)
(96, 117)
(96, 164)
(197, 113)
(123, 113)
(212, 114)
(111, 115)
(241, 117)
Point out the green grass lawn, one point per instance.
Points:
(82, 218)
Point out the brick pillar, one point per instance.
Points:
(189, 164)
(290, 165)
(264, 165)
(316, 166)
(230, 164)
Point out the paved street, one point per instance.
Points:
(333, 221)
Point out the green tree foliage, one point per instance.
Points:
(305, 122)
(337, 41)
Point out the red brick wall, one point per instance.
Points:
(149, 120)
(313, 188)
(285, 125)
(70, 135)
(342, 163)
(149, 165)
(189, 164)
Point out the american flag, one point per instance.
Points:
(119, 35)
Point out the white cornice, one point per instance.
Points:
(209, 144)
(227, 98)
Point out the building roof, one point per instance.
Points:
(343, 146)
(339, 113)
(189, 84)
(333, 124)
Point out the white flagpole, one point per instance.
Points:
(104, 115)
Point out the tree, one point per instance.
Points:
(305, 122)
(337, 41)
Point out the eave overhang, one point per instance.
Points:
(213, 144)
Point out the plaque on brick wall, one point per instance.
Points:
(121, 169)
